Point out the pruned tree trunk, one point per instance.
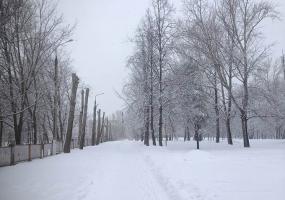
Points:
(80, 125)
(94, 124)
(102, 127)
(98, 127)
(61, 124)
(107, 130)
(75, 82)
(55, 111)
(82, 141)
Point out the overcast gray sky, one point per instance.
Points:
(101, 45)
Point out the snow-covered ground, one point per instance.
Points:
(127, 170)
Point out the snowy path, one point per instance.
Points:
(129, 171)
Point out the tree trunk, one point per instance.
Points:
(35, 129)
(110, 132)
(107, 130)
(188, 133)
(75, 82)
(160, 52)
(227, 111)
(244, 129)
(152, 126)
(151, 105)
(197, 137)
(146, 126)
(185, 134)
(55, 109)
(170, 137)
(217, 111)
(102, 128)
(1, 126)
(12, 98)
(61, 125)
(244, 118)
(81, 118)
(94, 124)
(160, 126)
(82, 141)
(45, 132)
(229, 132)
(98, 127)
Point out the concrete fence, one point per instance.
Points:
(27, 152)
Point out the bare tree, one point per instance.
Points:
(163, 12)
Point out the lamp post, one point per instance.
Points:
(94, 120)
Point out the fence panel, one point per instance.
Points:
(58, 147)
(36, 151)
(74, 143)
(5, 156)
(47, 150)
(21, 153)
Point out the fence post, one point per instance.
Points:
(30, 152)
(12, 156)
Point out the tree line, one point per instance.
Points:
(38, 88)
(206, 71)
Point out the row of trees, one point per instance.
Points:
(31, 81)
(205, 70)
(38, 101)
(101, 126)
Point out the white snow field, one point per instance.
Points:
(127, 170)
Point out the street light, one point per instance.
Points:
(98, 95)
